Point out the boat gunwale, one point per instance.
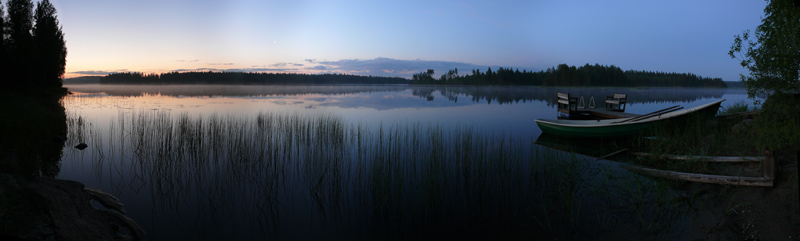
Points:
(616, 122)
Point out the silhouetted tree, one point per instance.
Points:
(245, 78)
(565, 75)
(424, 78)
(3, 51)
(51, 50)
(20, 42)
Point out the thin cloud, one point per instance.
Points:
(187, 61)
(318, 67)
(98, 72)
(220, 63)
(237, 70)
(286, 64)
(393, 67)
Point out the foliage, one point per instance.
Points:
(33, 52)
(737, 107)
(19, 43)
(773, 62)
(3, 52)
(777, 124)
(647, 78)
(51, 51)
(244, 78)
(564, 75)
(773, 59)
(423, 77)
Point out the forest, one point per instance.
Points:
(246, 78)
(32, 47)
(564, 75)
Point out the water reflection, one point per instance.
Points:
(489, 94)
(33, 134)
(510, 95)
(291, 176)
(356, 162)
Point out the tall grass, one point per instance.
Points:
(400, 181)
(737, 107)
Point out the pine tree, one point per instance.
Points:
(51, 50)
(20, 43)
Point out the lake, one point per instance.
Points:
(217, 162)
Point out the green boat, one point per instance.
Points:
(622, 126)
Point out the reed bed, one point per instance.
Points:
(400, 181)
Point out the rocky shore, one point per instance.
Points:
(43, 208)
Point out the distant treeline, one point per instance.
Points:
(244, 78)
(83, 80)
(564, 75)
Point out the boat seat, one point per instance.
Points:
(616, 102)
(567, 104)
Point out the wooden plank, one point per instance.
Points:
(704, 158)
(611, 154)
(739, 114)
(769, 164)
(703, 178)
(619, 96)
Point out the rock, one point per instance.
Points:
(107, 200)
(81, 146)
(46, 208)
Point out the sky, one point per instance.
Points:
(400, 38)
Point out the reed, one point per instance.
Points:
(737, 107)
(407, 181)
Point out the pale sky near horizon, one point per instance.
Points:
(398, 38)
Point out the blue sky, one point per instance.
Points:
(398, 38)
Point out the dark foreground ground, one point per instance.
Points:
(751, 213)
(43, 208)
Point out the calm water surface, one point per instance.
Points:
(212, 201)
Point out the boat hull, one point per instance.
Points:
(602, 131)
(619, 127)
